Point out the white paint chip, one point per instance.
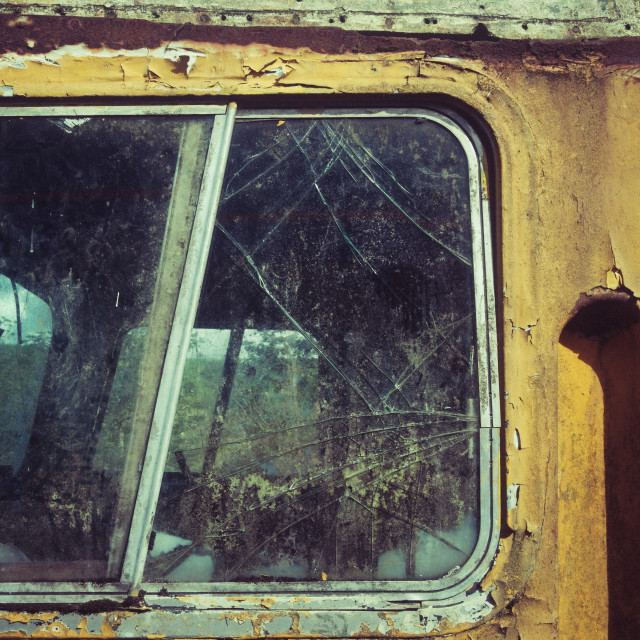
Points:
(512, 496)
(175, 54)
(516, 440)
(69, 124)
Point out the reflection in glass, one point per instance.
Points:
(25, 336)
(327, 424)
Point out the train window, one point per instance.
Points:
(282, 380)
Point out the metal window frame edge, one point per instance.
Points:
(173, 368)
(452, 587)
(111, 111)
(446, 591)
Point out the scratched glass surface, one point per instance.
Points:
(83, 208)
(327, 423)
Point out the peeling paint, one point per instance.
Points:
(183, 68)
(526, 329)
(475, 607)
(516, 439)
(25, 618)
(614, 279)
(56, 625)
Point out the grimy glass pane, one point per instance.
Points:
(327, 424)
(83, 211)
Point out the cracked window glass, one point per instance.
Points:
(83, 212)
(327, 425)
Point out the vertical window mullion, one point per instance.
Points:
(186, 185)
(173, 368)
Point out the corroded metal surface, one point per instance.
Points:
(233, 617)
(550, 19)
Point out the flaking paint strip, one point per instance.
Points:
(183, 68)
(26, 618)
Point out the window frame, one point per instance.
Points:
(450, 589)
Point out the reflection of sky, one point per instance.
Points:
(432, 557)
(196, 568)
(35, 315)
(212, 343)
(285, 343)
(209, 343)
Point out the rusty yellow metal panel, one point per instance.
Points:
(563, 121)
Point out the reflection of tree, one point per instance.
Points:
(222, 404)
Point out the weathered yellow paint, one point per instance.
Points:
(567, 131)
(622, 133)
(55, 630)
(580, 417)
(55, 627)
(188, 68)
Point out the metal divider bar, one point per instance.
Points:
(110, 111)
(173, 368)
